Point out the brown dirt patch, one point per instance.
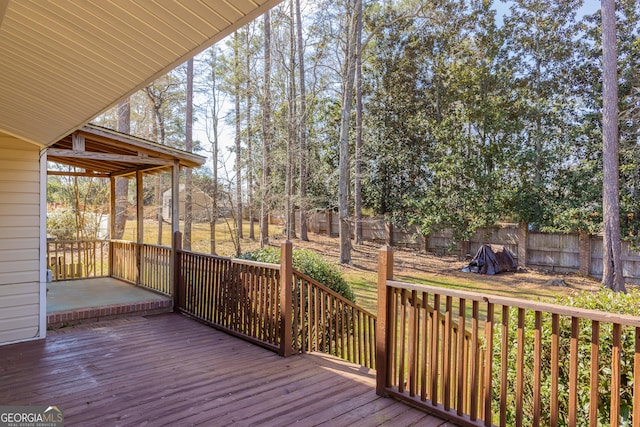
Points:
(409, 262)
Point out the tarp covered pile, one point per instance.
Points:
(492, 260)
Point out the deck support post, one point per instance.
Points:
(176, 272)
(385, 272)
(112, 221)
(140, 224)
(286, 298)
(175, 227)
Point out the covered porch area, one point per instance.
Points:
(92, 279)
(85, 300)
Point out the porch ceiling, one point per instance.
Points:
(98, 151)
(66, 61)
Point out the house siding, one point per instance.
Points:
(20, 230)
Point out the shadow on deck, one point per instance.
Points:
(88, 300)
(170, 370)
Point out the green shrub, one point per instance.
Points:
(309, 263)
(605, 300)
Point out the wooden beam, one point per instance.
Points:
(133, 170)
(69, 154)
(77, 141)
(117, 139)
(88, 174)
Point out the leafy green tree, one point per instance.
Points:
(541, 38)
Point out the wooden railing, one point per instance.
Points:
(525, 363)
(326, 322)
(77, 259)
(144, 265)
(273, 306)
(237, 296)
(124, 260)
(268, 304)
(155, 268)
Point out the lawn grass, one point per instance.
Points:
(364, 285)
(200, 235)
(362, 281)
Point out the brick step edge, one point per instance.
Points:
(95, 314)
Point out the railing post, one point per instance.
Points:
(385, 272)
(110, 250)
(176, 273)
(523, 241)
(286, 298)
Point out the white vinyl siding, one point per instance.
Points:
(19, 240)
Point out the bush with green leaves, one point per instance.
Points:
(604, 300)
(67, 225)
(309, 263)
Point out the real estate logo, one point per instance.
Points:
(31, 416)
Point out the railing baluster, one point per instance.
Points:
(462, 313)
(616, 351)
(520, 368)
(425, 345)
(413, 342)
(392, 331)
(401, 343)
(573, 371)
(537, 367)
(636, 382)
(595, 369)
(555, 358)
(504, 365)
(446, 353)
(475, 356)
(435, 338)
(488, 364)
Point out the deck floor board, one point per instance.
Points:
(171, 370)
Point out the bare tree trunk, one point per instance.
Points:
(236, 66)
(303, 129)
(214, 154)
(266, 132)
(358, 160)
(188, 209)
(157, 99)
(612, 272)
(122, 184)
(345, 163)
(249, 94)
(290, 208)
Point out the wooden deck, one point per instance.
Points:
(170, 370)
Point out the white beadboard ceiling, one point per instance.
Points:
(63, 62)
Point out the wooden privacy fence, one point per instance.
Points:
(77, 259)
(518, 362)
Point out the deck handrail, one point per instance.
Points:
(236, 296)
(77, 259)
(527, 363)
(327, 322)
(561, 310)
(249, 299)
